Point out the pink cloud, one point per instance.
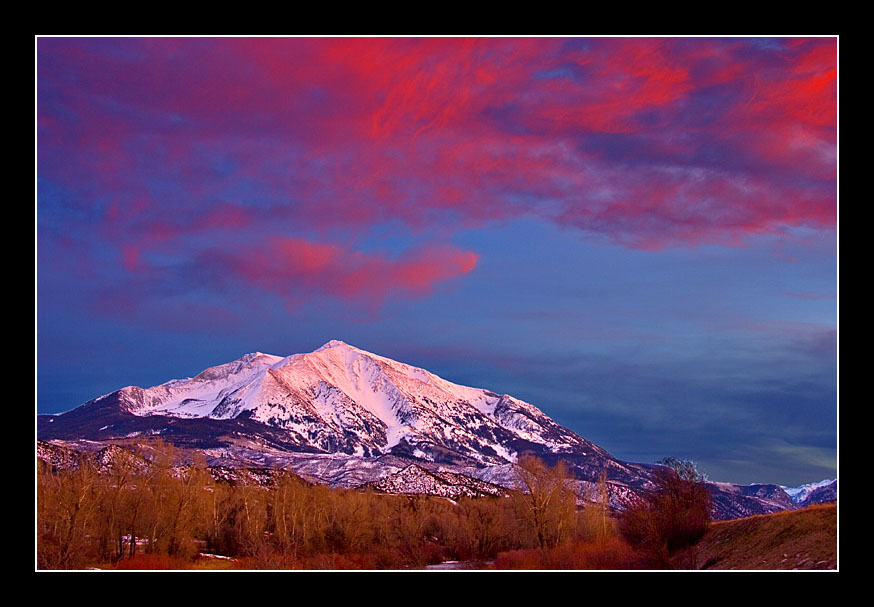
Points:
(299, 269)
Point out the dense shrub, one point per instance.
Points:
(610, 554)
(674, 515)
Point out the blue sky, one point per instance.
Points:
(637, 235)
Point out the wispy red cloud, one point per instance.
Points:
(299, 269)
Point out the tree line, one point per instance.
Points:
(88, 517)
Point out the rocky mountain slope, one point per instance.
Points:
(417, 480)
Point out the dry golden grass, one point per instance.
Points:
(794, 539)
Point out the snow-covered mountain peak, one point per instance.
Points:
(801, 493)
(258, 355)
(339, 398)
(253, 362)
(334, 343)
(349, 352)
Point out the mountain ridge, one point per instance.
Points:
(346, 417)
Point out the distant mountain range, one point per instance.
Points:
(345, 417)
(814, 493)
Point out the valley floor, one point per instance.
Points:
(793, 540)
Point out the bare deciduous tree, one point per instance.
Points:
(548, 500)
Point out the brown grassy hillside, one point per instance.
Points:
(795, 539)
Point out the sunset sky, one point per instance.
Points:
(636, 235)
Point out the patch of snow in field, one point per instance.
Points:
(207, 555)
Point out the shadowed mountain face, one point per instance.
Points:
(345, 417)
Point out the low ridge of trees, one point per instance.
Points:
(165, 514)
